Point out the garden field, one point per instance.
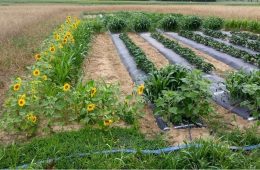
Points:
(129, 86)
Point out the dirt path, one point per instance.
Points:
(103, 63)
(153, 54)
(221, 68)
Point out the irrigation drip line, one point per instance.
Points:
(160, 151)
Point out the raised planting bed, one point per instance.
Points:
(253, 59)
(184, 52)
(250, 44)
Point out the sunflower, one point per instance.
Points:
(17, 86)
(52, 49)
(28, 116)
(65, 40)
(33, 119)
(37, 57)
(36, 72)
(108, 122)
(60, 45)
(140, 89)
(68, 34)
(21, 102)
(66, 87)
(91, 107)
(44, 77)
(93, 91)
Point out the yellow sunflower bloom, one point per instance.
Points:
(44, 77)
(52, 49)
(37, 57)
(17, 86)
(91, 107)
(64, 40)
(93, 91)
(108, 122)
(36, 72)
(21, 102)
(33, 119)
(140, 89)
(66, 87)
(28, 116)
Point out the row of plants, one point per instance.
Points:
(179, 95)
(253, 45)
(139, 56)
(53, 92)
(245, 88)
(253, 59)
(143, 22)
(184, 52)
(215, 34)
(246, 35)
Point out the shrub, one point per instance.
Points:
(213, 23)
(116, 24)
(191, 23)
(169, 23)
(141, 23)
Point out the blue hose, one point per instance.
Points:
(156, 151)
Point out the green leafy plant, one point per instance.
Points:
(215, 34)
(213, 23)
(254, 59)
(245, 88)
(191, 23)
(254, 45)
(116, 24)
(246, 35)
(139, 56)
(179, 95)
(140, 22)
(184, 52)
(169, 23)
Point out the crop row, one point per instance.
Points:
(139, 56)
(215, 34)
(246, 35)
(184, 52)
(254, 45)
(254, 59)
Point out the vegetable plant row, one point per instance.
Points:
(139, 56)
(53, 94)
(254, 45)
(246, 88)
(215, 34)
(246, 35)
(254, 59)
(184, 52)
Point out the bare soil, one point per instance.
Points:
(153, 54)
(103, 63)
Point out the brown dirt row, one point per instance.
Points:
(153, 54)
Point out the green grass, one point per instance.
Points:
(209, 155)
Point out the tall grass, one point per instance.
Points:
(246, 25)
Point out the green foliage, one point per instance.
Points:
(188, 103)
(213, 23)
(140, 22)
(191, 23)
(215, 34)
(253, 45)
(246, 88)
(167, 78)
(246, 25)
(246, 35)
(139, 56)
(169, 23)
(179, 95)
(184, 52)
(254, 59)
(116, 24)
